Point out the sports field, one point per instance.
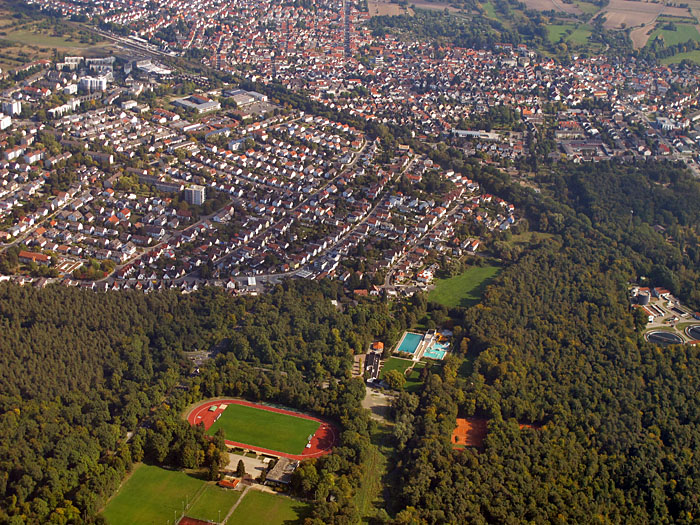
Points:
(213, 504)
(259, 508)
(464, 289)
(152, 495)
(264, 428)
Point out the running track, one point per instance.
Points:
(322, 442)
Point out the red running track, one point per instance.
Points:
(322, 442)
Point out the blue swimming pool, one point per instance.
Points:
(409, 343)
(436, 351)
(435, 354)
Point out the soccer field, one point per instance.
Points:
(265, 429)
(152, 495)
(257, 508)
(213, 504)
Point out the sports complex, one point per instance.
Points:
(265, 429)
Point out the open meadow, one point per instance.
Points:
(464, 289)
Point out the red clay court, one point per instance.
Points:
(322, 441)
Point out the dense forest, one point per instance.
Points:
(614, 421)
(74, 382)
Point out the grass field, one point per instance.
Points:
(683, 33)
(42, 40)
(368, 497)
(395, 363)
(464, 289)
(587, 7)
(258, 508)
(693, 56)
(211, 501)
(265, 429)
(151, 495)
(413, 384)
(579, 33)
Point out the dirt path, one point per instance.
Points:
(245, 491)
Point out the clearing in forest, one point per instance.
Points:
(464, 289)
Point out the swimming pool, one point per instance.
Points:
(410, 343)
(435, 354)
(436, 351)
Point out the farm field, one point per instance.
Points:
(632, 13)
(213, 503)
(257, 508)
(151, 495)
(683, 33)
(552, 5)
(266, 429)
(385, 8)
(464, 289)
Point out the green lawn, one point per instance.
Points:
(683, 33)
(258, 508)
(265, 429)
(395, 363)
(413, 384)
(151, 495)
(464, 289)
(213, 500)
(579, 33)
(693, 56)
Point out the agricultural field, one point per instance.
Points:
(621, 14)
(553, 5)
(386, 8)
(258, 508)
(464, 289)
(266, 429)
(682, 33)
(152, 495)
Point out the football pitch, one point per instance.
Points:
(265, 429)
(260, 507)
(152, 495)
